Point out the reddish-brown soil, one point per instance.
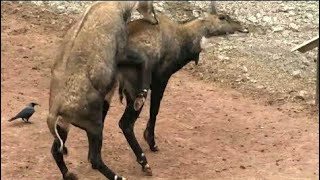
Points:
(203, 132)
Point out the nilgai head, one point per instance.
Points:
(211, 24)
(220, 24)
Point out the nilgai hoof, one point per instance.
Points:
(70, 176)
(94, 166)
(138, 103)
(147, 170)
(119, 178)
(153, 148)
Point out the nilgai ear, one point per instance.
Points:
(213, 9)
(203, 16)
(136, 5)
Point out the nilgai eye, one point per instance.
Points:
(222, 17)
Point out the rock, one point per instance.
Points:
(253, 19)
(196, 13)
(292, 13)
(286, 33)
(277, 29)
(61, 8)
(244, 69)
(267, 19)
(305, 62)
(260, 87)
(296, 74)
(294, 26)
(275, 19)
(258, 15)
(309, 16)
(253, 80)
(311, 102)
(160, 9)
(238, 80)
(223, 58)
(302, 95)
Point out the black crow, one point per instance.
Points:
(26, 113)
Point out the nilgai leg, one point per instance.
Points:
(126, 124)
(156, 97)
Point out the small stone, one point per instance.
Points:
(305, 62)
(239, 80)
(245, 69)
(309, 16)
(267, 19)
(311, 102)
(253, 19)
(301, 95)
(292, 13)
(294, 26)
(296, 74)
(223, 58)
(277, 29)
(258, 15)
(275, 19)
(253, 80)
(196, 13)
(160, 9)
(61, 7)
(285, 33)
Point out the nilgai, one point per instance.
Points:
(165, 48)
(83, 75)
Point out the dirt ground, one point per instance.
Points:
(203, 131)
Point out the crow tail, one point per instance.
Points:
(14, 118)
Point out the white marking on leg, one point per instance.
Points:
(115, 177)
(142, 154)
